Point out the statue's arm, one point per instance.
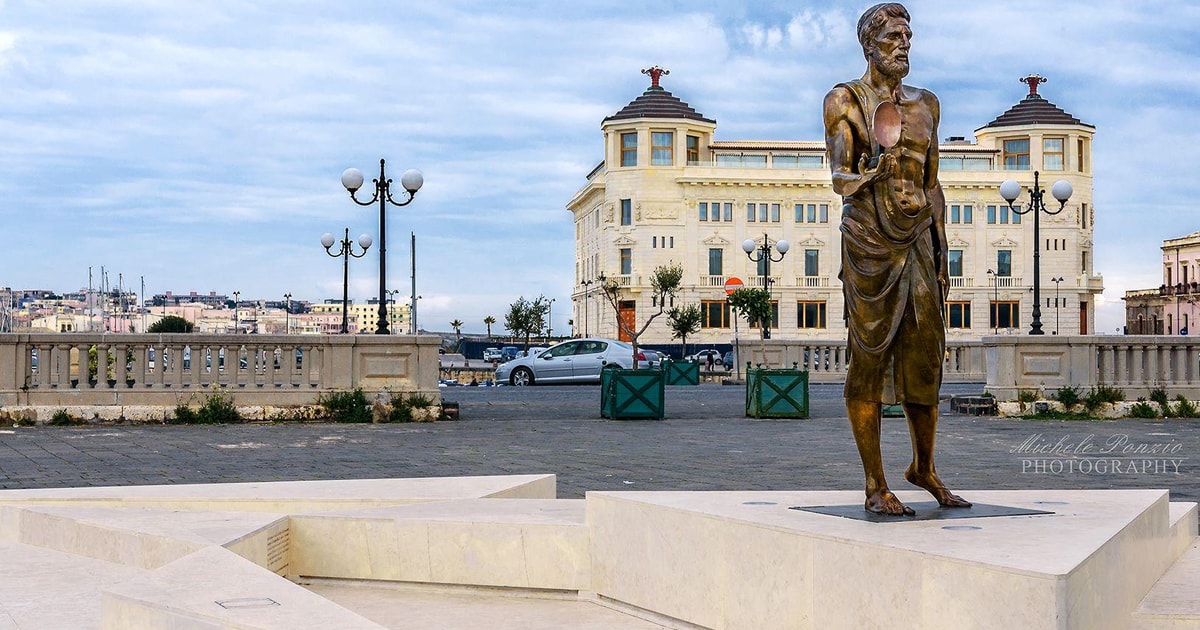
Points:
(937, 198)
(849, 171)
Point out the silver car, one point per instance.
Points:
(574, 361)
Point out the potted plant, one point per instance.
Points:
(635, 393)
(770, 393)
(683, 321)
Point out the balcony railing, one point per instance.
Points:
(1005, 282)
(713, 281)
(171, 369)
(812, 282)
(960, 282)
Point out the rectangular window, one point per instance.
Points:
(1052, 154)
(672, 246)
(812, 258)
(799, 213)
(824, 208)
(751, 215)
(1083, 267)
(762, 269)
(716, 314)
(774, 316)
(662, 148)
(629, 149)
(967, 215)
(785, 161)
(1004, 262)
(693, 149)
(654, 242)
(1016, 218)
(1081, 147)
(991, 215)
(727, 215)
(775, 213)
(704, 211)
(626, 212)
(810, 314)
(716, 261)
(958, 314)
(626, 261)
(812, 213)
(762, 212)
(954, 214)
(1016, 155)
(1003, 214)
(954, 261)
(1083, 215)
(1005, 314)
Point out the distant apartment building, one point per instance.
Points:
(1170, 308)
(667, 191)
(364, 318)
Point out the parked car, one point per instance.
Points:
(491, 354)
(727, 360)
(703, 356)
(508, 353)
(574, 361)
(651, 357)
(533, 351)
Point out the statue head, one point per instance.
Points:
(884, 34)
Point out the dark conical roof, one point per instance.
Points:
(1034, 110)
(656, 102)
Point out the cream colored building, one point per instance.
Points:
(668, 191)
(364, 318)
(1170, 308)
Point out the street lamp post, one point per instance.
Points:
(1061, 190)
(1057, 282)
(995, 310)
(391, 293)
(236, 295)
(412, 180)
(345, 252)
(587, 285)
(287, 313)
(764, 259)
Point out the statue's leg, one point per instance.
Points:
(922, 425)
(865, 421)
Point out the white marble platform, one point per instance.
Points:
(465, 552)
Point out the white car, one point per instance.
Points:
(491, 354)
(574, 361)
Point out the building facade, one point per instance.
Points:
(668, 192)
(1170, 308)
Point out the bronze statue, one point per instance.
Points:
(881, 136)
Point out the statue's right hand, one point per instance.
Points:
(883, 170)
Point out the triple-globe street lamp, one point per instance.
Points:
(345, 252)
(1061, 190)
(764, 259)
(411, 180)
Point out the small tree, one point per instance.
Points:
(755, 306)
(171, 324)
(664, 284)
(526, 317)
(684, 321)
(488, 321)
(457, 326)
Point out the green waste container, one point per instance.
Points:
(776, 393)
(631, 394)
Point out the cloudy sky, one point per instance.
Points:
(199, 144)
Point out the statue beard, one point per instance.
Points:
(890, 66)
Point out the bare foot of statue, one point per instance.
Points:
(884, 502)
(933, 484)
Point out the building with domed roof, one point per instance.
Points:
(668, 191)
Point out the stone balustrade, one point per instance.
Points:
(54, 369)
(1137, 364)
(826, 361)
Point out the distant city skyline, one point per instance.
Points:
(200, 145)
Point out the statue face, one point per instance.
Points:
(890, 52)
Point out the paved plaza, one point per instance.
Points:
(704, 444)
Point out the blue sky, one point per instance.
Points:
(200, 144)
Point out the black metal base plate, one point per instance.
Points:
(926, 511)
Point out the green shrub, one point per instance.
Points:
(419, 400)
(62, 419)
(1027, 396)
(1069, 397)
(184, 415)
(401, 410)
(1101, 394)
(219, 409)
(346, 406)
(986, 394)
(1159, 395)
(1143, 409)
(27, 422)
(1185, 408)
